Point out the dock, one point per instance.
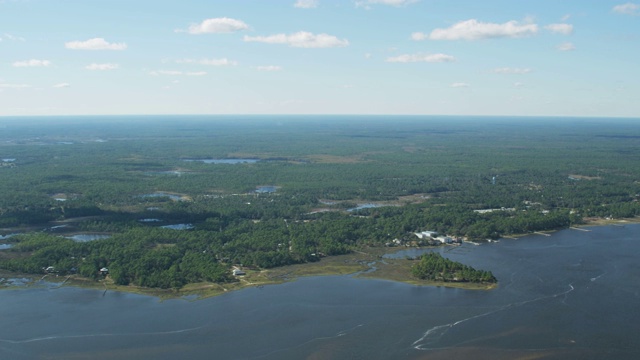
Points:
(580, 229)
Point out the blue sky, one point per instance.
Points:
(440, 57)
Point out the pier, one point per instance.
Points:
(580, 229)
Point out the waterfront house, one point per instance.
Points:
(238, 272)
(425, 235)
(444, 239)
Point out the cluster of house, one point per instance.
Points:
(433, 236)
(50, 270)
(484, 211)
(7, 163)
(426, 238)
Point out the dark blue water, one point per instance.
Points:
(574, 295)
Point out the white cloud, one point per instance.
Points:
(10, 37)
(32, 63)
(166, 72)
(566, 47)
(101, 67)
(564, 29)
(217, 62)
(566, 17)
(210, 62)
(177, 73)
(460, 85)
(306, 4)
(301, 39)
(518, 85)
(61, 85)
(269, 68)
(366, 3)
(508, 70)
(430, 58)
(627, 9)
(474, 30)
(217, 26)
(94, 44)
(14, 86)
(419, 36)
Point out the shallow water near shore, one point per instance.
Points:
(571, 295)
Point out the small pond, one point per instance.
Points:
(179, 227)
(266, 189)
(168, 172)
(365, 206)
(58, 227)
(162, 194)
(87, 237)
(5, 246)
(224, 161)
(149, 220)
(3, 237)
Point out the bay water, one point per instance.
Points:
(572, 295)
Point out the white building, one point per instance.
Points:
(444, 239)
(426, 234)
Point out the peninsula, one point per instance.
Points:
(223, 202)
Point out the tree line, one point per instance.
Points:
(434, 267)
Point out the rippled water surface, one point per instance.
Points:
(572, 295)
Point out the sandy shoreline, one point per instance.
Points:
(364, 263)
(361, 264)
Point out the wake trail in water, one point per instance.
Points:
(437, 332)
(337, 335)
(62, 337)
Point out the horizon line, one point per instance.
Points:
(328, 114)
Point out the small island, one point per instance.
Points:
(433, 266)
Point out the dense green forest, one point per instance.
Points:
(432, 266)
(183, 199)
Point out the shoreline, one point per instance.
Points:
(362, 265)
(359, 264)
(589, 222)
